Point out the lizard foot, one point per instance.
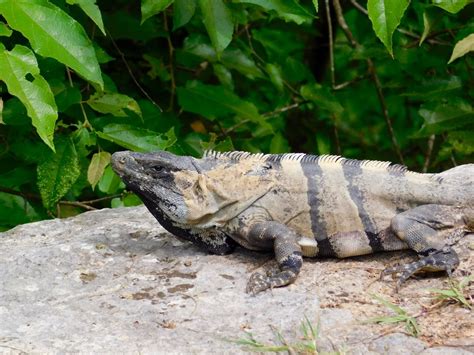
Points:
(440, 260)
(260, 282)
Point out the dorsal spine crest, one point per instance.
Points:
(309, 158)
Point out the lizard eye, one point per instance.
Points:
(158, 168)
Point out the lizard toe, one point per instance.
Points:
(257, 283)
(260, 282)
(445, 259)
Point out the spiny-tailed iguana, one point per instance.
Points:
(304, 205)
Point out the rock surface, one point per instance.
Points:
(115, 281)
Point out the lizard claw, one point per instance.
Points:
(440, 260)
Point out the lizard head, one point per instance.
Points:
(150, 176)
(195, 193)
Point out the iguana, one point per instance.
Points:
(304, 205)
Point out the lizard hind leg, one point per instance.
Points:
(425, 230)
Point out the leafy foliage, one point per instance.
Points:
(307, 345)
(400, 316)
(456, 291)
(81, 79)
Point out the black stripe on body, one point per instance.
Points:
(313, 173)
(351, 172)
(374, 241)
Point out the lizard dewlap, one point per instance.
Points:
(303, 205)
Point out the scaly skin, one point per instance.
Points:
(304, 206)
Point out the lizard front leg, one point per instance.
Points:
(425, 229)
(287, 253)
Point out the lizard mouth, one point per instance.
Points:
(150, 176)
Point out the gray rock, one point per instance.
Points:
(115, 281)
(444, 350)
(397, 344)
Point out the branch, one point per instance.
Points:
(130, 72)
(77, 204)
(429, 150)
(336, 135)
(373, 73)
(25, 195)
(384, 107)
(342, 22)
(284, 109)
(170, 54)
(82, 204)
(359, 7)
(350, 82)
(260, 59)
(331, 44)
(225, 132)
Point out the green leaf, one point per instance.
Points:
(462, 47)
(15, 210)
(279, 144)
(224, 75)
(385, 16)
(434, 88)
(4, 30)
(102, 55)
(132, 200)
(58, 172)
(224, 145)
(443, 116)
(14, 113)
(199, 144)
(288, 10)
(323, 143)
(114, 104)
(16, 177)
(183, 11)
(67, 96)
(127, 201)
(153, 7)
(232, 58)
(462, 141)
(218, 22)
(84, 141)
(316, 6)
(110, 182)
(53, 33)
(92, 10)
(321, 97)
(21, 75)
(431, 17)
(97, 167)
(238, 60)
(158, 69)
(452, 6)
(137, 139)
(121, 24)
(212, 101)
(274, 72)
(426, 27)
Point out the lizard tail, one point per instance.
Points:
(459, 182)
